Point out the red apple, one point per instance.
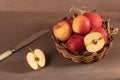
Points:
(95, 19)
(62, 30)
(75, 43)
(70, 21)
(81, 25)
(102, 31)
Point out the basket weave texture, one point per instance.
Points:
(85, 56)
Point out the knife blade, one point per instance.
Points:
(23, 44)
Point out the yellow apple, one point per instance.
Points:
(62, 30)
(81, 25)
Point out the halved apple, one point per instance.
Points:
(94, 41)
(36, 59)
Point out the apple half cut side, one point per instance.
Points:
(94, 41)
(36, 59)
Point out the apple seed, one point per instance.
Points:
(36, 59)
(95, 41)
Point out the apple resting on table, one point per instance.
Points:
(36, 59)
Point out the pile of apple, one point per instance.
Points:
(83, 32)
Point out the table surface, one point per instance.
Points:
(17, 26)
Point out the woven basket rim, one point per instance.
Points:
(85, 56)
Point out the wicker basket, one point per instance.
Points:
(85, 56)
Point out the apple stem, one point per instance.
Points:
(31, 49)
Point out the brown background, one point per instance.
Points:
(57, 5)
(20, 19)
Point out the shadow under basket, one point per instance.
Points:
(85, 56)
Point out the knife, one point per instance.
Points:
(22, 44)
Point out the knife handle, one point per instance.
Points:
(6, 54)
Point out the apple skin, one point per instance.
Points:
(102, 31)
(75, 43)
(70, 21)
(62, 30)
(81, 25)
(95, 19)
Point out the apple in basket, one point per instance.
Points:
(69, 20)
(102, 31)
(81, 25)
(62, 30)
(96, 39)
(75, 43)
(36, 59)
(95, 19)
